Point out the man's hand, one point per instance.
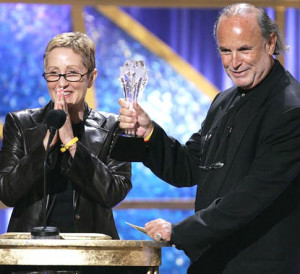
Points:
(159, 229)
(136, 119)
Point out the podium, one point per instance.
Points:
(78, 251)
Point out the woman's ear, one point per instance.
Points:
(93, 77)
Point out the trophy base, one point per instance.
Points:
(45, 232)
(128, 149)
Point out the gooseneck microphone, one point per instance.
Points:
(55, 119)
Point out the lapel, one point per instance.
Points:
(93, 137)
(218, 108)
(34, 136)
(35, 128)
(94, 132)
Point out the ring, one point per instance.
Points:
(158, 237)
(119, 118)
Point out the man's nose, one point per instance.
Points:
(236, 60)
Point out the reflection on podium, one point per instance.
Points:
(78, 253)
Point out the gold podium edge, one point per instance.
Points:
(78, 250)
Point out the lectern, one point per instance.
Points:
(78, 251)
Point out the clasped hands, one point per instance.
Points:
(65, 133)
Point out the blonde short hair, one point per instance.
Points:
(78, 42)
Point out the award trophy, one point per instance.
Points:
(133, 78)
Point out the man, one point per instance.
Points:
(245, 160)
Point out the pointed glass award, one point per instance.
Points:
(133, 78)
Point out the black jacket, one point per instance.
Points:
(247, 212)
(100, 182)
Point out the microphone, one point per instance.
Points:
(55, 119)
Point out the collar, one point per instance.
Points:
(268, 82)
(39, 116)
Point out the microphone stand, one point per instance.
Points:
(46, 232)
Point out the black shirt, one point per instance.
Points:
(61, 210)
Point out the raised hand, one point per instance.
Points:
(135, 119)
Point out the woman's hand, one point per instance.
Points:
(65, 133)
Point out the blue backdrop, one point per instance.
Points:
(176, 104)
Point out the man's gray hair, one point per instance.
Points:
(266, 24)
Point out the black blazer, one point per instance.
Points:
(100, 181)
(247, 213)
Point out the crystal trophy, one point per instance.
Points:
(133, 78)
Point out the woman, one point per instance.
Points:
(83, 182)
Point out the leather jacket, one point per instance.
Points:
(99, 182)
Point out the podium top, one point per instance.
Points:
(63, 236)
(81, 249)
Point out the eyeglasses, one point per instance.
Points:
(70, 77)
